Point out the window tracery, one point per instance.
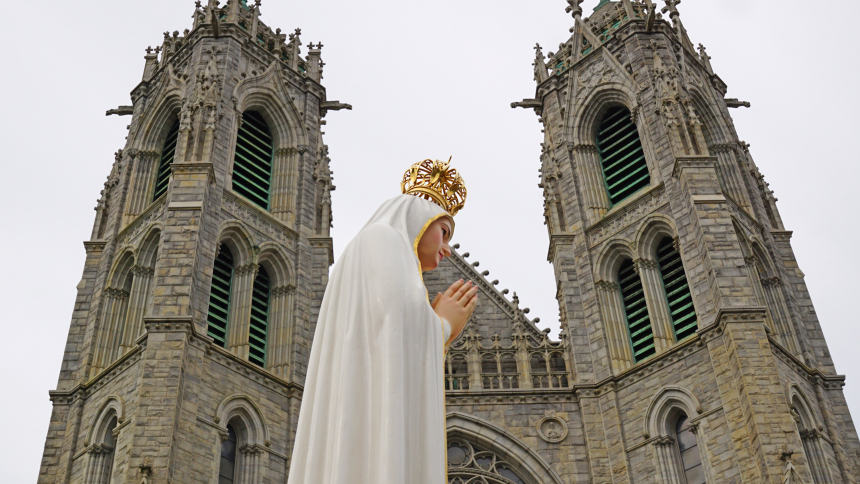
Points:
(470, 464)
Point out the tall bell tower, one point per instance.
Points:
(684, 305)
(208, 259)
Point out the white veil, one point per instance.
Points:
(376, 363)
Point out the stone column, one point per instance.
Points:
(114, 310)
(99, 466)
(655, 300)
(292, 187)
(280, 336)
(612, 310)
(816, 457)
(282, 192)
(140, 192)
(667, 466)
(473, 361)
(249, 469)
(596, 198)
(730, 178)
(782, 319)
(241, 293)
(751, 263)
(136, 308)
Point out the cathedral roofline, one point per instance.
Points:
(238, 20)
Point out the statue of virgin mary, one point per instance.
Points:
(372, 409)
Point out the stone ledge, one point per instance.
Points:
(195, 205)
(708, 199)
(324, 243)
(691, 162)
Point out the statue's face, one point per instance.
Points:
(433, 246)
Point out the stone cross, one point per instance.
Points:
(672, 7)
(574, 7)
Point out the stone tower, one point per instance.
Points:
(696, 354)
(223, 187)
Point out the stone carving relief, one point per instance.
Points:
(552, 429)
(252, 216)
(616, 222)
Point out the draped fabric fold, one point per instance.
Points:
(373, 403)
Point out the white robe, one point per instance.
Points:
(373, 404)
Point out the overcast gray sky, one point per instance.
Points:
(426, 80)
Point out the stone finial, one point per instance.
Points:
(672, 8)
(706, 59)
(574, 7)
(540, 69)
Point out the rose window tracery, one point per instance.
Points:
(469, 464)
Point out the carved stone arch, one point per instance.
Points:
(817, 446)
(651, 231)
(148, 249)
(123, 263)
(277, 263)
(244, 408)
(799, 403)
(113, 405)
(158, 121)
(765, 262)
(664, 405)
(713, 126)
(743, 238)
(238, 238)
(268, 95)
(526, 463)
(610, 257)
(661, 422)
(594, 107)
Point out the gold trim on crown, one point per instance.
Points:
(435, 181)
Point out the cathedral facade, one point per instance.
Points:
(689, 350)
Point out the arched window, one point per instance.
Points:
(490, 371)
(227, 469)
(102, 454)
(688, 452)
(636, 311)
(219, 296)
(677, 290)
(456, 373)
(625, 171)
(468, 463)
(259, 318)
(167, 153)
(252, 164)
(811, 438)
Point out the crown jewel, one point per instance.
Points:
(435, 181)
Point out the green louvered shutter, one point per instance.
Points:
(636, 312)
(625, 171)
(677, 290)
(252, 165)
(219, 297)
(259, 318)
(167, 153)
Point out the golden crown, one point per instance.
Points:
(435, 181)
